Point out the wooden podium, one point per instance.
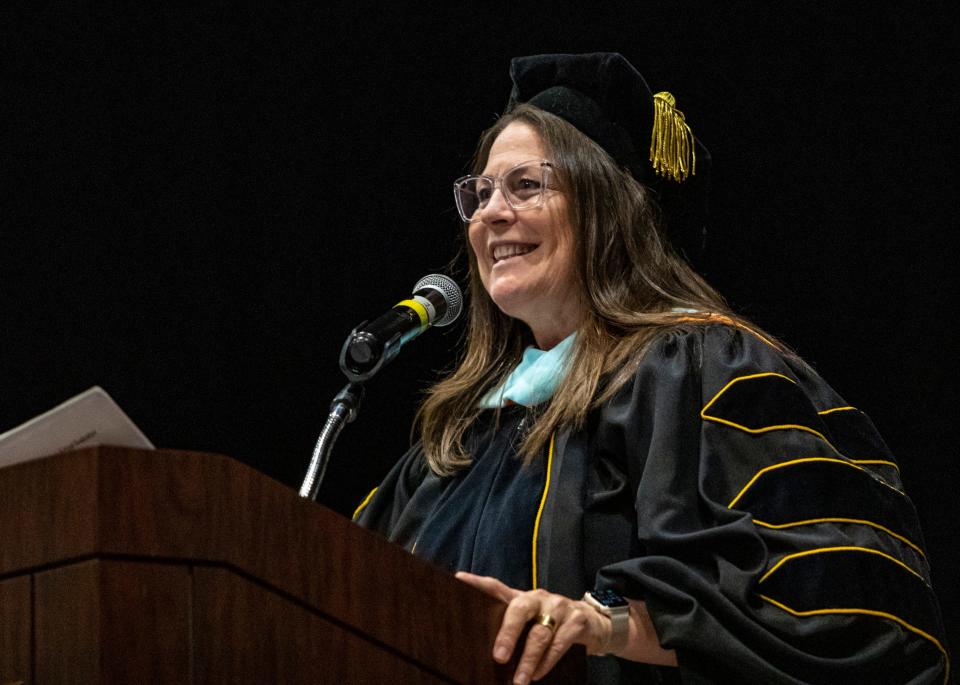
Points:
(134, 566)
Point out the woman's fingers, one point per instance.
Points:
(570, 632)
(491, 586)
(538, 643)
(522, 609)
(548, 638)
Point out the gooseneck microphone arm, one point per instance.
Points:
(436, 301)
(343, 410)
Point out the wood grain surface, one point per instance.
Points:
(182, 510)
(15, 621)
(286, 646)
(108, 621)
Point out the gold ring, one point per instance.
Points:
(548, 621)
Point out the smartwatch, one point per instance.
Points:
(611, 604)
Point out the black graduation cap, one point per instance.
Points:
(607, 99)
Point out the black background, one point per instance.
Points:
(200, 203)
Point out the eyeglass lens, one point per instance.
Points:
(521, 186)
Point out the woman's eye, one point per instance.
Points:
(525, 186)
(484, 194)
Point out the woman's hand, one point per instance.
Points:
(576, 623)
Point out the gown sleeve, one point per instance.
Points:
(777, 544)
(389, 508)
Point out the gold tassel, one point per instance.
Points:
(672, 150)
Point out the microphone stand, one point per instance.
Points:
(369, 348)
(343, 410)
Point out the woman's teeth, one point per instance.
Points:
(501, 252)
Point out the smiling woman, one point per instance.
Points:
(525, 256)
(625, 461)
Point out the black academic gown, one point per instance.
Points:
(760, 517)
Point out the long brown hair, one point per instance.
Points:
(631, 281)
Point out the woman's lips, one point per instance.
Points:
(506, 251)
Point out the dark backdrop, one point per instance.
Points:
(200, 203)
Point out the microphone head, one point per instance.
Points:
(450, 292)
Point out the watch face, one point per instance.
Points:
(609, 598)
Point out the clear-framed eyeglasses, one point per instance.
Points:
(523, 187)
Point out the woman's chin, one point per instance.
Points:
(512, 301)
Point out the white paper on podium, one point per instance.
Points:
(90, 418)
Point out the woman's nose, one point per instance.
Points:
(497, 209)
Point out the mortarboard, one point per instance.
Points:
(607, 99)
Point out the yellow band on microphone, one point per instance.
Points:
(418, 308)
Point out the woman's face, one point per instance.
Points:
(525, 257)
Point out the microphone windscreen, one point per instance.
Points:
(450, 291)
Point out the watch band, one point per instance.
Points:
(612, 605)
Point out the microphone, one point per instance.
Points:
(436, 301)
